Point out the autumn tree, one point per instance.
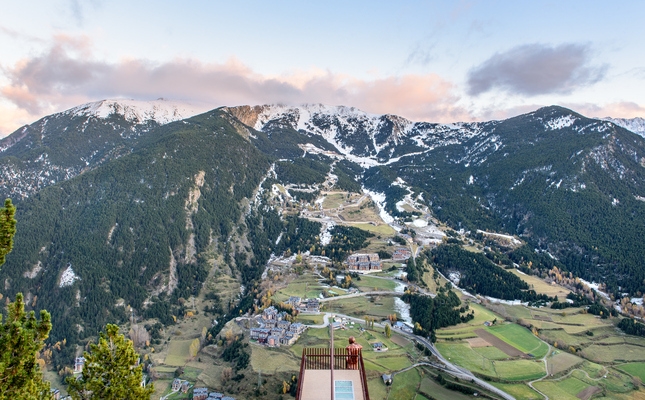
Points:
(139, 335)
(110, 372)
(21, 338)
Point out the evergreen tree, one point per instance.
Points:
(110, 372)
(21, 338)
(7, 229)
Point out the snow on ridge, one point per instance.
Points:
(560, 122)
(636, 125)
(161, 111)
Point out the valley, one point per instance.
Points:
(190, 228)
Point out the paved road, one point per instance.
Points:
(455, 370)
(450, 368)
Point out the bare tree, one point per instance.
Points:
(139, 335)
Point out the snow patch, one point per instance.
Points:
(560, 122)
(379, 200)
(68, 277)
(160, 111)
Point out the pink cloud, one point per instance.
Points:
(67, 74)
(624, 109)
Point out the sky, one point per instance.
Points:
(436, 61)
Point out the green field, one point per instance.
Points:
(178, 352)
(405, 385)
(334, 200)
(273, 359)
(634, 369)
(297, 287)
(518, 390)
(613, 353)
(565, 389)
(369, 283)
(561, 361)
(520, 338)
(310, 319)
(430, 387)
(519, 370)
(359, 307)
(513, 370)
(382, 229)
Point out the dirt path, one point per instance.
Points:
(546, 369)
(499, 343)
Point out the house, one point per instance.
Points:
(55, 394)
(313, 305)
(176, 384)
(257, 333)
(488, 323)
(270, 324)
(270, 313)
(288, 339)
(277, 332)
(294, 301)
(79, 363)
(215, 395)
(401, 253)
(185, 385)
(297, 328)
(378, 346)
(200, 393)
(364, 262)
(283, 325)
(273, 341)
(387, 379)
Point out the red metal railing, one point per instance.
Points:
(320, 359)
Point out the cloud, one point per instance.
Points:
(535, 69)
(67, 74)
(623, 109)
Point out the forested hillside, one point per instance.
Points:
(114, 213)
(134, 227)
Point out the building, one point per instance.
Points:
(401, 253)
(273, 341)
(185, 385)
(364, 262)
(310, 305)
(270, 313)
(326, 373)
(297, 328)
(79, 363)
(176, 384)
(200, 393)
(294, 301)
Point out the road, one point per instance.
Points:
(449, 368)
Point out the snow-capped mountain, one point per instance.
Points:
(364, 138)
(61, 146)
(117, 184)
(636, 125)
(161, 111)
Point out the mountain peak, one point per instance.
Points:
(161, 111)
